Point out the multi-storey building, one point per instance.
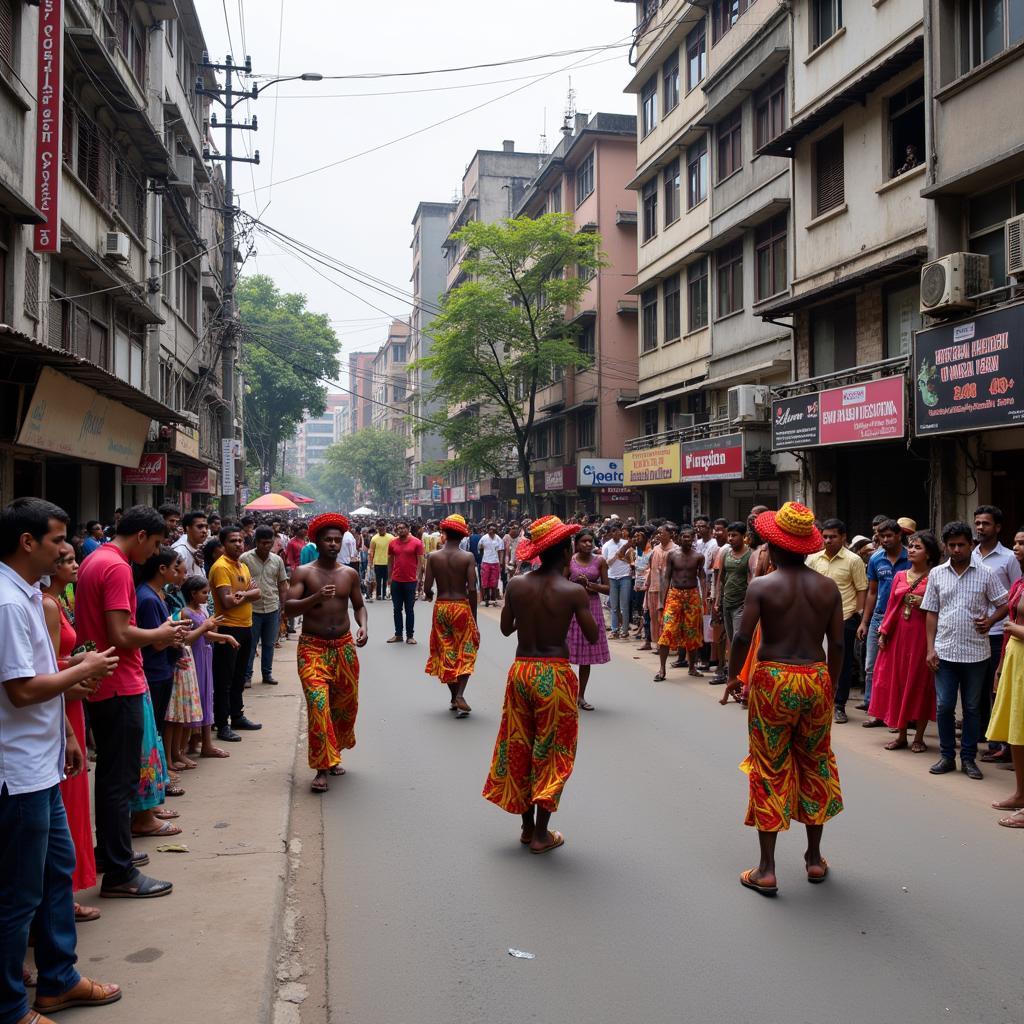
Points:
(106, 332)
(714, 247)
(316, 434)
(390, 382)
(582, 423)
(429, 229)
(360, 382)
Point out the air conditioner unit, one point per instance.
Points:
(1015, 248)
(116, 246)
(949, 283)
(748, 403)
(184, 171)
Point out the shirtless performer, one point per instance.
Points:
(684, 586)
(791, 766)
(454, 636)
(320, 592)
(536, 745)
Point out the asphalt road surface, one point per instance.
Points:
(639, 918)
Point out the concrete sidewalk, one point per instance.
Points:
(208, 951)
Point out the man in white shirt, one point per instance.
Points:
(349, 554)
(1003, 564)
(37, 750)
(190, 544)
(615, 552)
(492, 557)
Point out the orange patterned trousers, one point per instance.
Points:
(329, 673)
(683, 620)
(454, 641)
(791, 766)
(536, 745)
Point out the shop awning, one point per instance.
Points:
(14, 344)
(20, 209)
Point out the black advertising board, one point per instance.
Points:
(795, 422)
(970, 375)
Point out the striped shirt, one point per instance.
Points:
(1003, 564)
(959, 601)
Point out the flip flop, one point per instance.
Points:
(918, 748)
(897, 745)
(336, 770)
(318, 786)
(166, 815)
(748, 883)
(559, 840)
(86, 913)
(1001, 805)
(1013, 821)
(174, 790)
(585, 706)
(660, 677)
(818, 879)
(166, 829)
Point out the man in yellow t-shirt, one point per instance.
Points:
(379, 556)
(233, 597)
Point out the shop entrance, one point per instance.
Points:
(874, 479)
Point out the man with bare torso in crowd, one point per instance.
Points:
(683, 585)
(536, 745)
(320, 592)
(791, 766)
(454, 636)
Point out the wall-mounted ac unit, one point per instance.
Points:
(949, 283)
(748, 403)
(116, 247)
(184, 171)
(1015, 247)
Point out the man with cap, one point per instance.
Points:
(320, 592)
(536, 745)
(791, 767)
(454, 636)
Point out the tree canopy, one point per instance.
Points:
(372, 458)
(287, 352)
(503, 334)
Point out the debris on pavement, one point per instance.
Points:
(522, 954)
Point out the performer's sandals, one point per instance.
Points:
(818, 879)
(557, 840)
(765, 890)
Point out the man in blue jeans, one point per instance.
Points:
(883, 565)
(957, 601)
(617, 553)
(37, 750)
(269, 573)
(405, 556)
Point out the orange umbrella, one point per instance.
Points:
(271, 502)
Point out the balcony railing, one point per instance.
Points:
(696, 432)
(841, 378)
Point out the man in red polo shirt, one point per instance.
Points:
(405, 555)
(105, 614)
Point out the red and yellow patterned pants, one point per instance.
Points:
(454, 641)
(329, 673)
(683, 620)
(536, 745)
(792, 769)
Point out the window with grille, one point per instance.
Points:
(906, 127)
(7, 23)
(902, 300)
(670, 82)
(729, 279)
(540, 442)
(725, 14)
(557, 438)
(649, 202)
(673, 312)
(986, 232)
(697, 294)
(671, 178)
(696, 55)
(986, 28)
(826, 20)
(730, 144)
(770, 254)
(697, 173)
(649, 320)
(649, 420)
(586, 432)
(829, 187)
(585, 179)
(649, 106)
(769, 111)
(833, 337)
(585, 342)
(31, 285)
(128, 36)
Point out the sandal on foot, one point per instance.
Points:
(166, 815)
(818, 879)
(557, 840)
(85, 993)
(918, 748)
(86, 913)
(318, 785)
(585, 706)
(747, 881)
(660, 677)
(897, 745)
(161, 831)
(336, 770)
(1013, 821)
(174, 790)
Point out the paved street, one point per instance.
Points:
(640, 917)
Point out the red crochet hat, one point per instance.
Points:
(791, 528)
(545, 533)
(327, 519)
(456, 524)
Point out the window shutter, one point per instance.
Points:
(829, 185)
(7, 32)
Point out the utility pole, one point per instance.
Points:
(228, 97)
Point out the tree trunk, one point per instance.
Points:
(524, 468)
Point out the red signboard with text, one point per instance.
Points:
(720, 459)
(49, 93)
(872, 411)
(152, 471)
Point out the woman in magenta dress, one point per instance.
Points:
(590, 571)
(904, 685)
(75, 789)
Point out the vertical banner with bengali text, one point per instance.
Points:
(49, 93)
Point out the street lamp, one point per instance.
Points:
(306, 76)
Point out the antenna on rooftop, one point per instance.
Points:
(570, 110)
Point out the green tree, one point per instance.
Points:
(502, 334)
(287, 353)
(334, 484)
(372, 458)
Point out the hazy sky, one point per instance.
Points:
(359, 211)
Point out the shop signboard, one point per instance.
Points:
(458, 495)
(202, 481)
(520, 485)
(435, 492)
(795, 423)
(717, 459)
(619, 496)
(970, 375)
(151, 471)
(600, 473)
(227, 466)
(49, 123)
(473, 492)
(68, 418)
(652, 466)
(185, 441)
(425, 494)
